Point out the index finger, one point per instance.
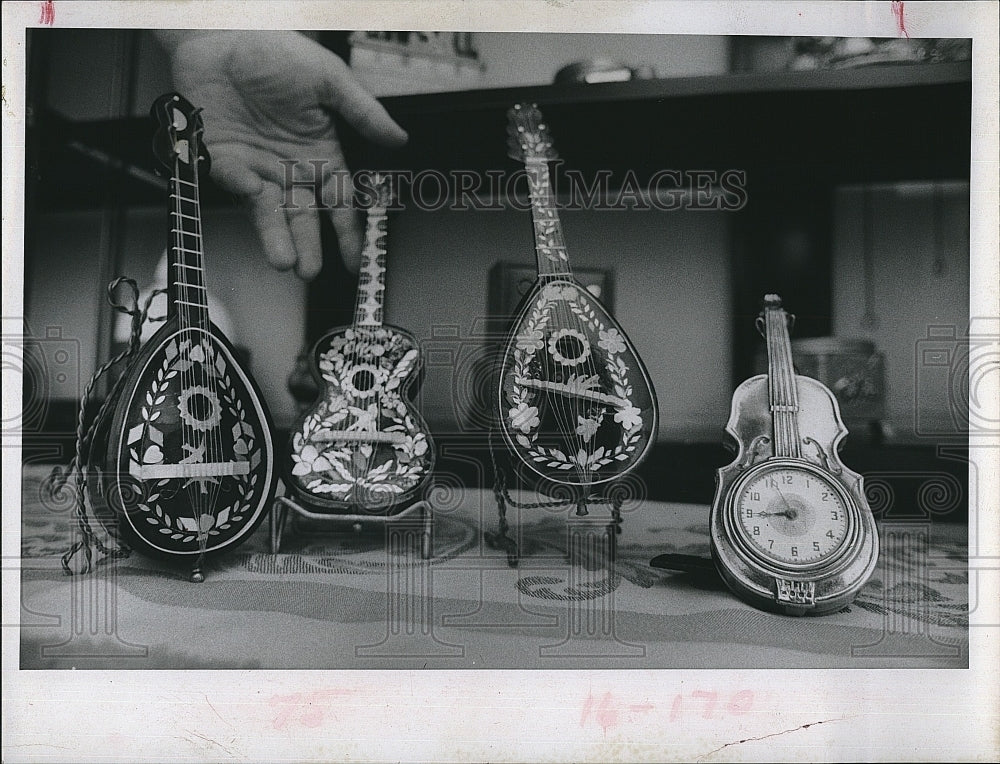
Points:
(342, 92)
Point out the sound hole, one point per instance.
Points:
(200, 407)
(363, 381)
(570, 347)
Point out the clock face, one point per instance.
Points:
(792, 515)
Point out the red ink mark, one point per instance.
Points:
(740, 703)
(900, 13)
(609, 710)
(675, 708)
(306, 709)
(48, 13)
(606, 714)
(737, 705)
(710, 698)
(641, 707)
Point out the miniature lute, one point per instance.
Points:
(189, 466)
(790, 526)
(363, 446)
(576, 406)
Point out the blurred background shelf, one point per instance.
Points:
(879, 123)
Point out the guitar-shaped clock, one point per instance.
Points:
(576, 406)
(189, 467)
(363, 445)
(791, 528)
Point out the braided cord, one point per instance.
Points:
(85, 431)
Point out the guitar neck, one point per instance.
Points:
(782, 392)
(369, 304)
(550, 248)
(186, 292)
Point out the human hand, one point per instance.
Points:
(270, 96)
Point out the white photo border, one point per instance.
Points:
(518, 715)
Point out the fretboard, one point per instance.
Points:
(550, 248)
(368, 306)
(782, 394)
(186, 292)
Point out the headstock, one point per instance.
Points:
(179, 135)
(528, 135)
(382, 191)
(772, 302)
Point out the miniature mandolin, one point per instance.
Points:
(576, 406)
(791, 528)
(363, 445)
(189, 467)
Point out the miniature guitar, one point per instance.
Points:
(189, 467)
(363, 445)
(576, 405)
(791, 528)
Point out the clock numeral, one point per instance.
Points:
(829, 534)
(834, 514)
(749, 512)
(770, 543)
(756, 530)
(755, 496)
(795, 551)
(825, 496)
(816, 546)
(787, 479)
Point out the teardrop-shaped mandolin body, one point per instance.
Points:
(576, 403)
(189, 463)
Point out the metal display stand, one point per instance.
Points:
(285, 507)
(582, 501)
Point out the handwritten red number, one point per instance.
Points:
(740, 703)
(710, 698)
(675, 708)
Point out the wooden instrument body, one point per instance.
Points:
(363, 445)
(575, 404)
(577, 407)
(189, 465)
(821, 431)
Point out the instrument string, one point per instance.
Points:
(361, 335)
(538, 184)
(378, 227)
(782, 385)
(793, 398)
(773, 380)
(213, 437)
(197, 486)
(184, 318)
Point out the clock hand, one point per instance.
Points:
(790, 513)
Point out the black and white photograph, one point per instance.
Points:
(572, 381)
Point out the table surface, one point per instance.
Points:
(351, 600)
